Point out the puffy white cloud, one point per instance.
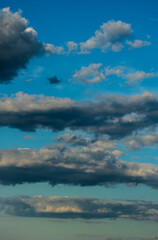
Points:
(52, 49)
(72, 46)
(117, 71)
(95, 73)
(90, 74)
(110, 36)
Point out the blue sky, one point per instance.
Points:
(78, 118)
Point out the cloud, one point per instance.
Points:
(54, 80)
(136, 77)
(137, 44)
(97, 163)
(18, 44)
(52, 49)
(90, 74)
(75, 207)
(138, 142)
(72, 46)
(117, 71)
(74, 140)
(114, 115)
(95, 73)
(109, 37)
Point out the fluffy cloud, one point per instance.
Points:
(73, 207)
(114, 115)
(95, 73)
(90, 74)
(117, 71)
(137, 142)
(52, 49)
(109, 37)
(97, 163)
(133, 78)
(72, 46)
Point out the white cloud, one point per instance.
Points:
(134, 78)
(117, 71)
(72, 46)
(137, 43)
(95, 73)
(110, 36)
(90, 74)
(52, 49)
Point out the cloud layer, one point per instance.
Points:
(95, 162)
(114, 115)
(71, 207)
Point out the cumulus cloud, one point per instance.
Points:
(138, 76)
(117, 71)
(95, 73)
(52, 49)
(18, 44)
(54, 80)
(72, 46)
(110, 36)
(114, 115)
(75, 207)
(97, 163)
(138, 142)
(90, 74)
(137, 44)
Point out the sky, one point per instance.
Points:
(78, 120)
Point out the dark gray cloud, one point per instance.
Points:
(98, 163)
(73, 207)
(114, 115)
(54, 80)
(18, 44)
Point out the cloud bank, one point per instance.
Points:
(73, 207)
(114, 115)
(95, 162)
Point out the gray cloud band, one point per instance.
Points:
(116, 116)
(71, 207)
(87, 166)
